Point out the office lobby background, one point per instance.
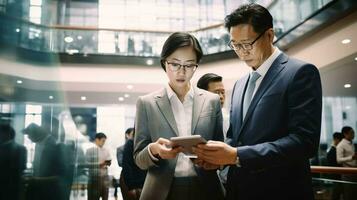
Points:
(78, 66)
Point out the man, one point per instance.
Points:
(132, 177)
(337, 188)
(213, 83)
(13, 158)
(49, 180)
(120, 149)
(331, 154)
(98, 159)
(347, 157)
(120, 152)
(275, 118)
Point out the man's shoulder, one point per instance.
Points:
(296, 64)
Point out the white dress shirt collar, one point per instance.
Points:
(171, 92)
(263, 69)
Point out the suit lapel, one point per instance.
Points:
(238, 96)
(163, 103)
(273, 71)
(198, 101)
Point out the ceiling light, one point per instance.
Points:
(345, 41)
(17, 30)
(19, 81)
(79, 37)
(50, 97)
(130, 87)
(149, 62)
(83, 98)
(121, 98)
(347, 85)
(355, 58)
(126, 95)
(348, 107)
(68, 39)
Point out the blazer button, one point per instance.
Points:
(239, 143)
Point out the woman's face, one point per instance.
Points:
(180, 66)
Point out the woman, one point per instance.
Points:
(179, 109)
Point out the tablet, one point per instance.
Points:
(187, 142)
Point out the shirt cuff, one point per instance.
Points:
(237, 164)
(152, 156)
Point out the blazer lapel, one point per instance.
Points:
(198, 101)
(274, 70)
(163, 103)
(236, 118)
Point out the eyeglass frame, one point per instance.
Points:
(232, 46)
(185, 66)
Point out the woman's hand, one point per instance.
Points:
(162, 149)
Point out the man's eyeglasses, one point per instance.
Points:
(244, 46)
(177, 66)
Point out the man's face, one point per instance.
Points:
(261, 49)
(100, 142)
(350, 135)
(218, 88)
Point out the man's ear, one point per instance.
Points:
(271, 35)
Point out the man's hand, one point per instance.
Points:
(162, 148)
(205, 165)
(216, 153)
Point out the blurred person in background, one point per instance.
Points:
(13, 159)
(347, 157)
(213, 83)
(132, 176)
(331, 159)
(120, 151)
(49, 166)
(98, 160)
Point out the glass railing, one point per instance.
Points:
(334, 183)
(145, 43)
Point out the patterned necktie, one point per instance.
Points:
(249, 91)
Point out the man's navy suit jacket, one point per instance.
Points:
(279, 134)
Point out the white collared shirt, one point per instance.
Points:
(96, 155)
(225, 115)
(263, 69)
(344, 152)
(183, 116)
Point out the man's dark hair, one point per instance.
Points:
(253, 14)
(129, 130)
(337, 135)
(346, 129)
(178, 40)
(100, 136)
(6, 133)
(208, 78)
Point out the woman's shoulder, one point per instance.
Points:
(153, 95)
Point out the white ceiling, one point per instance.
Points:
(105, 83)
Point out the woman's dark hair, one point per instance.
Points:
(253, 14)
(176, 41)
